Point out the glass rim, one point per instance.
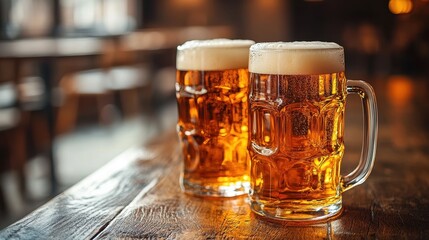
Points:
(295, 46)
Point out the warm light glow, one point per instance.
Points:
(268, 4)
(399, 90)
(187, 3)
(267, 139)
(400, 6)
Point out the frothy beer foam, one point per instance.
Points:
(296, 58)
(214, 54)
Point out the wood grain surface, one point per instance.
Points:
(82, 211)
(391, 205)
(137, 195)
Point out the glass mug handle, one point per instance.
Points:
(370, 125)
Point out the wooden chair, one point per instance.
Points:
(31, 95)
(117, 75)
(12, 138)
(75, 88)
(131, 84)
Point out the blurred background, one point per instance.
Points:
(83, 80)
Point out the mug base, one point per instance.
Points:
(298, 215)
(215, 190)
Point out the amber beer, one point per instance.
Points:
(211, 88)
(296, 135)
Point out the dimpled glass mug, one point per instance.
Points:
(297, 100)
(211, 90)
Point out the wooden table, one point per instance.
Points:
(137, 194)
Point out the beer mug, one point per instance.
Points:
(297, 99)
(211, 89)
